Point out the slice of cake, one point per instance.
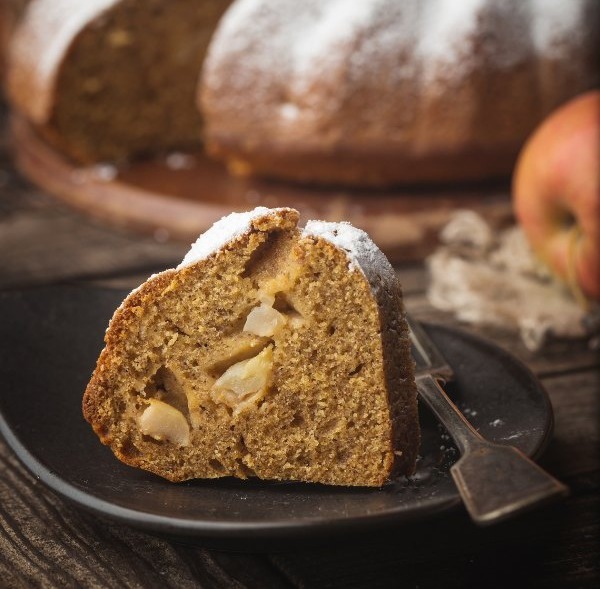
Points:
(111, 79)
(271, 351)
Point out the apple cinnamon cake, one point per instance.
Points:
(270, 351)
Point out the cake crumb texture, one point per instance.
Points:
(271, 356)
(109, 80)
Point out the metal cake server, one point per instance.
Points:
(495, 481)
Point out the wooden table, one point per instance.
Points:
(45, 542)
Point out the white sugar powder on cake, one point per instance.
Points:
(555, 24)
(222, 232)
(302, 42)
(363, 255)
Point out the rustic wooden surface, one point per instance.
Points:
(45, 542)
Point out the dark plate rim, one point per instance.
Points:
(200, 528)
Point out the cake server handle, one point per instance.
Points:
(495, 481)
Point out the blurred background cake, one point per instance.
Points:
(376, 92)
(391, 91)
(111, 79)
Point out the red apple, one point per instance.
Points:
(556, 193)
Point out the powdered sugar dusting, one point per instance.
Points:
(339, 23)
(222, 232)
(445, 26)
(363, 255)
(315, 53)
(556, 23)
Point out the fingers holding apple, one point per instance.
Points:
(556, 192)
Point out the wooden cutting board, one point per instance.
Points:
(180, 195)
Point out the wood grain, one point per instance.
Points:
(541, 549)
(575, 446)
(46, 543)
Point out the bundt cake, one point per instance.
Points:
(271, 351)
(107, 79)
(388, 91)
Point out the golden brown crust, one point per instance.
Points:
(405, 434)
(99, 387)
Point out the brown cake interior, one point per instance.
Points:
(327, 408)
(128, 86)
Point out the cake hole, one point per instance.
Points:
(356, 370)
(329, 426)
(242, 446)
(283, 304)
(176, 328)
(264, 259)
(303, 459)
(217, 465)
(129, 449)
(298, 420)
(165, 387)
(245, 469)
(331, 330)
(207, 405)
(151, 440)
(342, 456)
(262, 403)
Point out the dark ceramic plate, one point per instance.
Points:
(49, 341)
